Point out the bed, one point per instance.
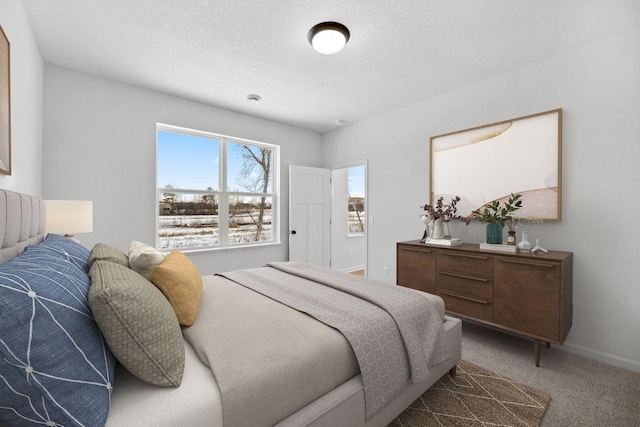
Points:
(243, 359)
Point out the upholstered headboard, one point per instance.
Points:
(21, 223)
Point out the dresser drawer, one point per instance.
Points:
(416, 267)
(466, 306)
(462, 262)
(465, 284)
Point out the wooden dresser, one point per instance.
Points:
(527, 294)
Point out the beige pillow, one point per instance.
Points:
(105, 252)
(142, 258)
(137, 323)
(179, 281)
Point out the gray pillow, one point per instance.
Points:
(104, 252)
(138, 323)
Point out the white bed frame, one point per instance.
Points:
(197, 401)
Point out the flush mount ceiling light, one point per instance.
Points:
(254, 99)
(328, 37)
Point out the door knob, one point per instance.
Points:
(293, 231)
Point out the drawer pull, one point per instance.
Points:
(465, 297)
(479, 279)
(417, 250)
(529, 263)
(468, 256)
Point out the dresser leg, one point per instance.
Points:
(536, 350)
(452, 371)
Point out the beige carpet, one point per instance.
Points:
(475, 397)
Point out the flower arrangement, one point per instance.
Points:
(503, 215)
(532, 220)
(446, 212)
(514, 222)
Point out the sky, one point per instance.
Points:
(356, 181)
(192, 162)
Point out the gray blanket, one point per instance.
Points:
(394, 335)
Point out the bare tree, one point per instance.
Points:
(255, 177)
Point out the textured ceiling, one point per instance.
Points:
(400, 52)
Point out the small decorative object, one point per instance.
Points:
(427, 222)
(447, 232)
(497, 216)
(494, 233)
(442, 242)
(537, 249)
(498, 247)
(523, 244)
(438, 229)
(436, 216)
(512, 223)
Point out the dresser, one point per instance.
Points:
(523, 293)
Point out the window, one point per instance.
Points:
(214, 190)
(356, 204)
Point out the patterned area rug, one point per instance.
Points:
(475, 397)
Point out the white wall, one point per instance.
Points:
(100, 145)
(598, 87)
(26, 102)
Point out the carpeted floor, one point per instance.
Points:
(475, 397)
(584, 392)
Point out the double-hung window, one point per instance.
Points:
(214, 190)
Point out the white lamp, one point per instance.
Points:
(68, 217)
(328, 37)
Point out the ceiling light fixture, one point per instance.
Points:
(254, 99)
(328, 37)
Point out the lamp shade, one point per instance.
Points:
(69, 216)
(328, 37)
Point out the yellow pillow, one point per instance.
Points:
(179, 281)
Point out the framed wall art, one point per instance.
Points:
(5, 105)
(487, 163)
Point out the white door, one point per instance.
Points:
(310, 215)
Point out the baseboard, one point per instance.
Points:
(609, 359)
(589, 353)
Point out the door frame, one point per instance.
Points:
(364, 163)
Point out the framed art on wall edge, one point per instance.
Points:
(5, 105)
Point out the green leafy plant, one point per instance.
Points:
(494, 213)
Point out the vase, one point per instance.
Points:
(523, 244)
(494, 233)
(511, 237)
(447, 232)
(438, 229)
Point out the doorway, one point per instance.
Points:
(349, 219)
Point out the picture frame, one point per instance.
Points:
(5, 104)
(490, 162)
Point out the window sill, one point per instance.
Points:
(222, 248)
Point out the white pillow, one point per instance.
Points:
(142, 258)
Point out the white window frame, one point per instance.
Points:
(223, 194)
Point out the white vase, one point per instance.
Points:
(523, 244)
(438, 229)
